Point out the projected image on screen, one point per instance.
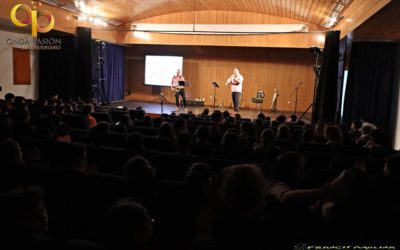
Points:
(159, 70)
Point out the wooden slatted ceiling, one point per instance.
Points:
(125, 11)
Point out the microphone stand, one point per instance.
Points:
(297, 92)
(215, 85)
(162, 102)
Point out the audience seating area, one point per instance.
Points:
(213, 181)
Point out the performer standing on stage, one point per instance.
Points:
(236, 82)
(178, 90)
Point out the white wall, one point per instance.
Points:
(6, 69)
(397, 135)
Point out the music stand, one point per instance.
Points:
(215, 85)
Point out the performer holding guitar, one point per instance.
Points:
(178, 90)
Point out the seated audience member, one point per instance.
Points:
(21, 123)
(261, 116)
(134, 144)
(167, 132)
(378, 141)
(286, 177)
(366, 128)
(231, 147)
(281, 119)
(184, 142)
(259, 126)
(23, 219)
(101, 127)
(266, 150)
(63, 131)
(333, 135)
(308, 135)
(72, 156)
(292, 119)
(215, 135)
(216, 116)
(241, 223)
(9, 99)
(139, 170)
(87, 111)
(289, 204)
(124, 126)
(283, 132)
(202, 145)
(352, 204)
(10, 153)
(157, 121)
(355, 131)
(392, 166)
(319, 132)
(205, 113)
(248, 134)
(180, 126)
(126, 225)
(143, 178)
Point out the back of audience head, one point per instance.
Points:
(216, 116)
(166, 131)
(184, 142)
(231, 141)
(22, 211)
(247, 129)
(202, 133)
(180, 125)
(243, 188)
(261, 116)
(289, 169)
(392, 166)
(9, 97)
(281, 119)
(205, 112)
(308, 135)
(333, 135)
(293, 119)
(101, 127)
(283, 132)
(268, 137)
(139, 170)
(134, 142)
(356, 125)
(366, 128)
(377, 138)
(10, 152)
(127, 225)
(157, 121)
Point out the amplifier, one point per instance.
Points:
(198, 103)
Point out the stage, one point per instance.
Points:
(155, 109)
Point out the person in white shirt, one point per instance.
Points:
(179, 90)
(236, 82)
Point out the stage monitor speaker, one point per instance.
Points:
(197, 103)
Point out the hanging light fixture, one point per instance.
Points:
(89, 14)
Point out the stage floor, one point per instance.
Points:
(157, 109)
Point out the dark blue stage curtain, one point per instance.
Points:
(108, 69)
(58, 68)
(325, 102)
(371, 88)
